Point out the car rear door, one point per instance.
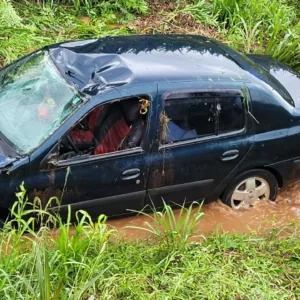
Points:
(189, 165)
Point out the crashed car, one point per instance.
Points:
(113, 124)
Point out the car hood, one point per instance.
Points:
(5, 161)
(7, 156)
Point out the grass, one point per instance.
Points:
(91, 263)
(31, 27)
(262, 26)
(87, 261)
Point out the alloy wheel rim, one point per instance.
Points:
(250, 192)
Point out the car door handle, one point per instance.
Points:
(131, 174)
(230, 155)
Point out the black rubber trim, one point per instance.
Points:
(191, 93)
(102, 201)
(90, 158)
(179, 187)
(203, 139)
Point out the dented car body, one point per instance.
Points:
(117, 123)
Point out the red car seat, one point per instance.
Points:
(112, 131)
(85, 138)
(111, 127)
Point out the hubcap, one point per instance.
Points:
(249, 192)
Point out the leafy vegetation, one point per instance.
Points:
(264, 26)
(26, 27)
(88, 261)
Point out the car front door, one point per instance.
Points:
(109, 184)
(205, 134)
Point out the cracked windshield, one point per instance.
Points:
(34, 100)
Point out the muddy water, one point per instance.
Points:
(217, 216)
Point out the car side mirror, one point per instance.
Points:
(50, 161)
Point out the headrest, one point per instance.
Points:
(131, 110)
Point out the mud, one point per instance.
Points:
(217, 216)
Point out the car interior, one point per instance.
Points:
(189, 119)
(107, 128)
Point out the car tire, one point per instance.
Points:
(250, 188)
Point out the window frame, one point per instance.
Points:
(202, 93)
(86, 158)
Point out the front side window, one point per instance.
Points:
(108, 128)
(197, 117)
(34, 100)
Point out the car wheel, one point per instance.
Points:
(250, 188)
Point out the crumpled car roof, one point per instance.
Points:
(93, 65)
(97, 64)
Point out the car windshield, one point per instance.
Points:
(34, 101)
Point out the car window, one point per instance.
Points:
(231, 114)
(197, 117)
(108, 128)
(189, 118)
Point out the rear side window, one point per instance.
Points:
(231, 114)
(196, 117)
(189, 118)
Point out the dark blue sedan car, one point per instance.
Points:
(112, 124)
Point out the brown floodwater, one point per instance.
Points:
(217, 216)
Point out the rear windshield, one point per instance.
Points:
(290, 80)
(260, 73)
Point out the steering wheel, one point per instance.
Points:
(68, 144)
(69, 139)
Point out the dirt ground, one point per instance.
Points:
(217, 216)
(165, 19)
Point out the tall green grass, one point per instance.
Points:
(8, 15)
(35, 27)
(262, 26)
(88, 261)
(125, 7)
(269, 27)
(171, 231)
(265, 26)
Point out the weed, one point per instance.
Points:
(164, 120)
(201, 11)
(45, 25)
(8, 15)
(170, 231)
(265, 26)
(82, 262)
